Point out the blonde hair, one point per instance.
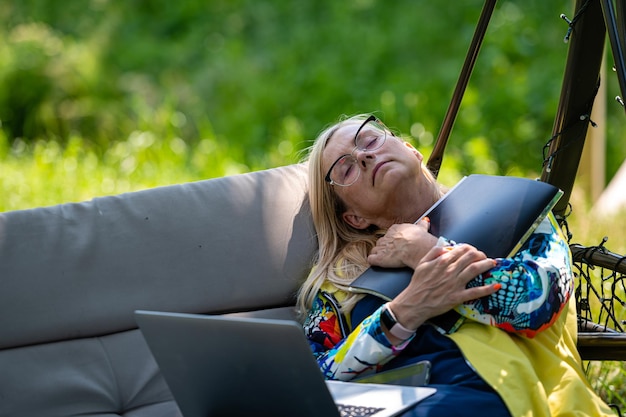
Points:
(343, 249)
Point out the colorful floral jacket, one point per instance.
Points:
(536, 285)
(540, 376)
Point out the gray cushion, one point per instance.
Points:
(100, 376)
(78, 270)
(72, 275)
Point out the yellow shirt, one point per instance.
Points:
(535, 377)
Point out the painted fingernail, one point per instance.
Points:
(426, 219)
(497, 286)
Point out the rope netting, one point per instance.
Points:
(600, 288)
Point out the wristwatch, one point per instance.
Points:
(391, 323)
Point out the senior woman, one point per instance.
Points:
(367, 189)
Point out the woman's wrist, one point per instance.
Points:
(392, 324)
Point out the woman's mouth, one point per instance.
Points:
(376, 168)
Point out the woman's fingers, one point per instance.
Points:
(403, 245)
(475, 293)
(440, 280)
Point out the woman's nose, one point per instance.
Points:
(362, 156)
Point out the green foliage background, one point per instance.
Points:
(208, 88)
(101, 97)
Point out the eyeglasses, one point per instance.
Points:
(370, 136)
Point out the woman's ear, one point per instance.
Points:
(355, 220)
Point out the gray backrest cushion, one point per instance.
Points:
(229, 244)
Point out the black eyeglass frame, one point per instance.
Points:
(327, 178)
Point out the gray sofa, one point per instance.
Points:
(71, 276)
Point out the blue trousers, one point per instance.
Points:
(460, 390)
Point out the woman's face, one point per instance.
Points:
(389, 182)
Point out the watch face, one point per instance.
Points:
(393, 327)
(387, 318)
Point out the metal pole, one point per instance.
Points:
(436, 157)
(615, 28)
(580, 84)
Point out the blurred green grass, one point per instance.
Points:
(45, 172)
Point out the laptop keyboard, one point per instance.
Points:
(356, 411)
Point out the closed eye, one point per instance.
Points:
(371, 141)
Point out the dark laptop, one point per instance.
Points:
(231, 366)
(496, 214)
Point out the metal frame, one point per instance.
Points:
(593, 20)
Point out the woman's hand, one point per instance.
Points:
(403, 245)
(439, 284)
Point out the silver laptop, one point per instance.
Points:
(231, 366)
